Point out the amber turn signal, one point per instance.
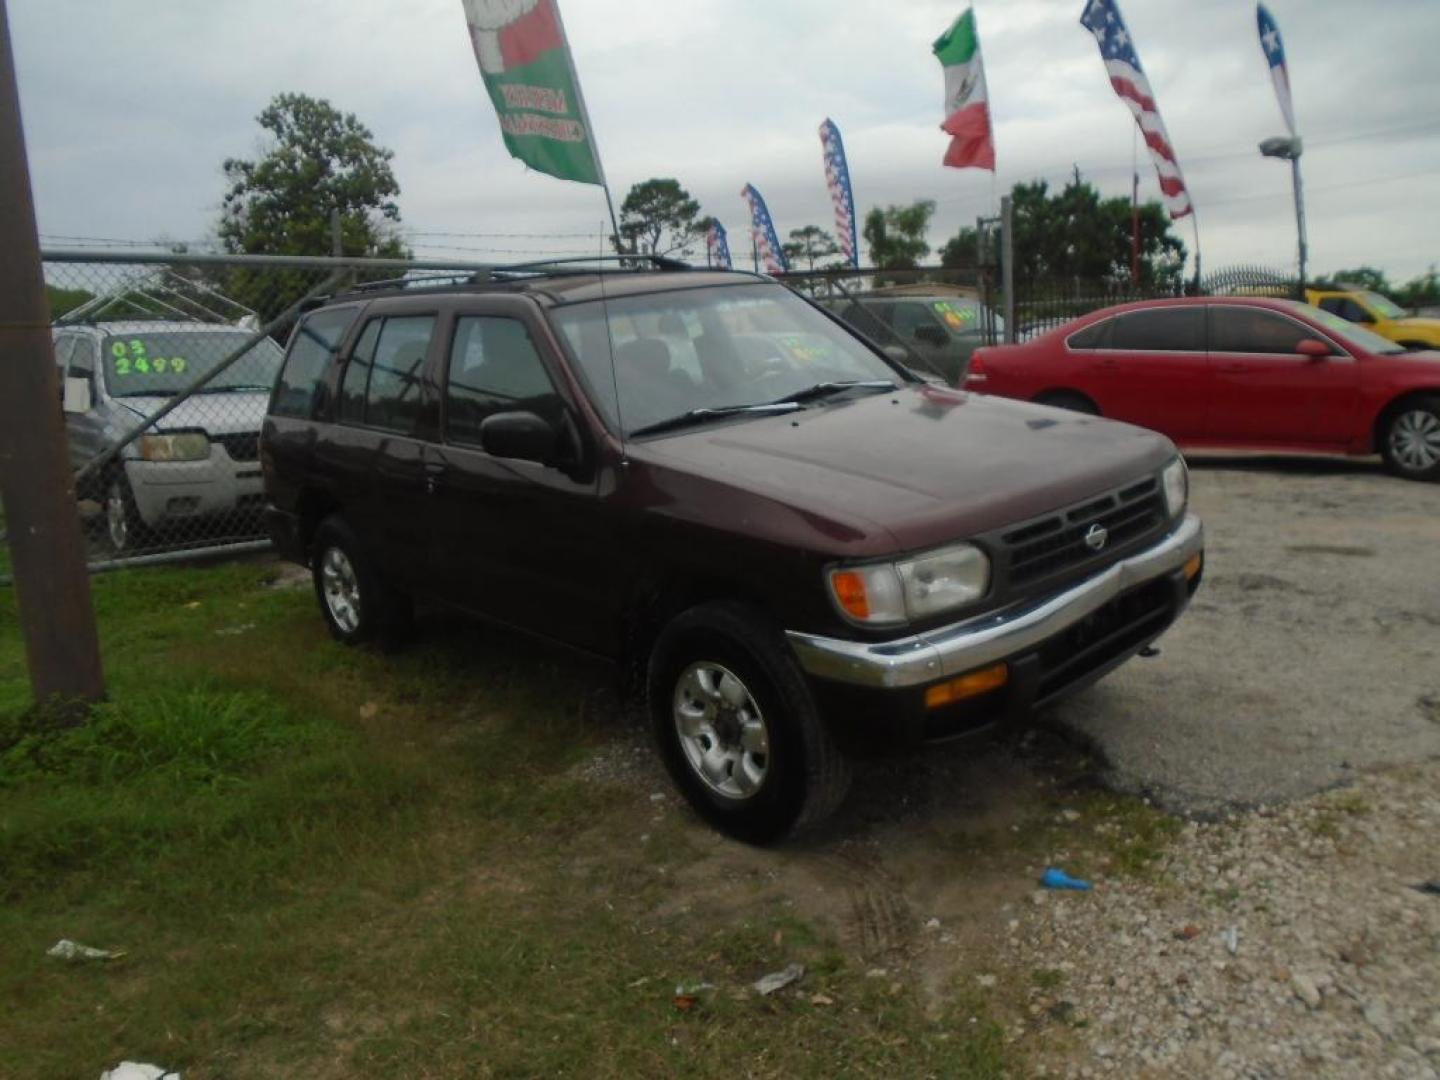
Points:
(850, 591)
(1192, 566)
(967, 686)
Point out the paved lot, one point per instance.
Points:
(1312, 650)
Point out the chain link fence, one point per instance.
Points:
(165, 365)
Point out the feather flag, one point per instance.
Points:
(1275, 57)
(837, 178)
(717, 246)
(762, 228)
(1117, 49)
(967, 101)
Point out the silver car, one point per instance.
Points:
(200, 467)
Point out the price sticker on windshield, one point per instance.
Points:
(954, 317)
(133, 358)
(801, 349)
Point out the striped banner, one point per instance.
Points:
(762, 228)
(837, 178)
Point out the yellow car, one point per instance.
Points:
(1374, 312)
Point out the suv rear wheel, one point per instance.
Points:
(737, 726)
(357, 603)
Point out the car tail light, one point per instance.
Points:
(976, 373)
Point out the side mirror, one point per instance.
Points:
(75, 396)
(896, 353)
(1315, 350)
(520, 435)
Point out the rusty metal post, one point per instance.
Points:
(47, 550)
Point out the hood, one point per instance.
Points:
(921, 466)
(214, 414)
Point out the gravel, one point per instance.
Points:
(1312, 650)
(1337, 967)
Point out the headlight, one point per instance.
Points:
(914, 589)
(189, 446)
(1176, 480)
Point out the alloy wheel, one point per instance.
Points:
(341, 588)
(117, 517)
(721, 729)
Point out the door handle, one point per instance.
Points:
(1232, 368)
(1107, 364)
(434, 473)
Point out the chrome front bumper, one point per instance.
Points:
(986, 639)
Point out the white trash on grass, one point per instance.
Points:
(778, 980)
(65, 949)
(138, 1070)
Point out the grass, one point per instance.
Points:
(332, 863)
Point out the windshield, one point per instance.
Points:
(167, 361)
(1348, 331)
(1385, 307)
(709, 348)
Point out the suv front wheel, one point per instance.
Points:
(737, 726)
(357, 603)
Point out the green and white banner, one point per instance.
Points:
(525, 61)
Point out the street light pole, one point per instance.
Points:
(47, 551)
(1289, 148)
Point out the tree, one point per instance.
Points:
(318, 160)
(809, 243)
(1075, 234)
(1423, 291)
(1363, 277)
(896, 235)
(658, 217)
(962, 250)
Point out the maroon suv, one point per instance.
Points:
(798, 545)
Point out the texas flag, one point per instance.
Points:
(1275, 56)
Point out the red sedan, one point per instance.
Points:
(1234, 372)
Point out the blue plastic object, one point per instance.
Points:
(1054, 878)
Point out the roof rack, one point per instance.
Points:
(625, 262)
(519, 272)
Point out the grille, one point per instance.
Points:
(244, 446)
(1056, 543)
(1122, 625)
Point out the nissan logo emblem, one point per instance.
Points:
(1095, 536)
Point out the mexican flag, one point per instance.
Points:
(967, 106)
(525, 62)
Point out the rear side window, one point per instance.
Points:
(1161, 330)
(1254, 330)
(301, 386)
(494, 367)
(382, 385)
(1095, 336)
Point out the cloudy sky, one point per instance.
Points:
(131, 105)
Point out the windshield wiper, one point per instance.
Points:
(699, 416)
(829, 389)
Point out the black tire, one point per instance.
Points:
(121, 526)
(356, 602)
(1069, 399)
(805, 777)
(1409, 438)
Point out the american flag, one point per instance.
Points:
(762, 228)
(717, 244)
(1275, 57)
(1117, 49)
(837, 177)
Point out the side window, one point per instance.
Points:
(1095, 336)
(1175, 329)
(1336, 305)
(392, 400)
(494, 367)
(64, 347)
(82, 360)
(1356, 313)
(1254, 330)
(356, 380)
(311, 348)
(908, 318)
